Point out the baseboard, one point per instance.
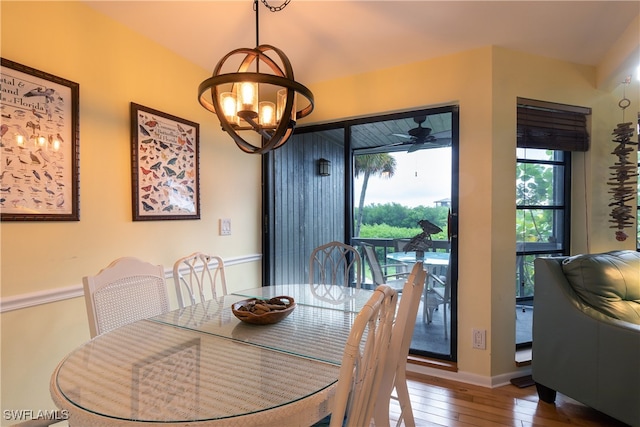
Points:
(466, 377)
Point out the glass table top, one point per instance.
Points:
(325, 296)
(148, 371)
(201, 363)
(314, 332)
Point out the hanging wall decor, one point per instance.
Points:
(623, 180)
(40, 175)
(165, 165)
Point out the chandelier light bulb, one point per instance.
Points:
(267, 114)
(229, 107)
(248, 100)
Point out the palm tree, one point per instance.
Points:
(381, 164)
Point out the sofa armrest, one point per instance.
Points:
(581, 352)
(561, 333)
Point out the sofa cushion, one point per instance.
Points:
(608, 282)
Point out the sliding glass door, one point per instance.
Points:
(380, 181)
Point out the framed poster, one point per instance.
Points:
(165, 166)
(40, 145)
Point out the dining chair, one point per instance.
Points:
(394, 373)
(335, 263)
(127, 290)
(196, 275)
(377, 273)
(363, 360)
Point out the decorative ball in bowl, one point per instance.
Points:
(263, 311)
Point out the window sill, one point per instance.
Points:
(523, 357)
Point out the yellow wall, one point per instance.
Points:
(115, 67)
(485, 83)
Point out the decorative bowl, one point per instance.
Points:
(263, 311)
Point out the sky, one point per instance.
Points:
(421, 178)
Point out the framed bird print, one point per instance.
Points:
(39, 139)
(165, 166)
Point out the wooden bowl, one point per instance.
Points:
(251, 310)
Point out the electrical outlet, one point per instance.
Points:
(479, 339)
(225, 227)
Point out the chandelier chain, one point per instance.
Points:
(276, 8)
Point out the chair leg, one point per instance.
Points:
(406, 412)
(444, 321)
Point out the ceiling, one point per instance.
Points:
(326, 39)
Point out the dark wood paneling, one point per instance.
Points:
(308, 209)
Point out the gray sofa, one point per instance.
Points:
(586, 331)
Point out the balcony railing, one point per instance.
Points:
(384, 246)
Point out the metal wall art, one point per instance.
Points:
(165, 166)
(40, 145)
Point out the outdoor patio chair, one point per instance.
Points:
(396, 280)
(436, 294)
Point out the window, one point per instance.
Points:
(546, 135)
(542, 229)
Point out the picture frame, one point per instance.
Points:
(40, 141)
(165, 165)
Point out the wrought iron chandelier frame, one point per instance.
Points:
(272, 137)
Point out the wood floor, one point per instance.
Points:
(441, 402)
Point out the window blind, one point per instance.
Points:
(551, 126)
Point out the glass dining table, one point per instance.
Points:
(202, 366)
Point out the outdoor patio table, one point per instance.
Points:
(430, 258)
(202, 366)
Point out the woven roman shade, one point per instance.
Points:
(551, 126)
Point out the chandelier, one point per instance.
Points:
(250, 101)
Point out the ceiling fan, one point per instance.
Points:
(421, 137)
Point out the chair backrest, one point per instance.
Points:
(443, 280)
(396, 361)
(399, 244)
(127, 290)
(363, 360)
(195, 275)
(335, 263)
(374, 264)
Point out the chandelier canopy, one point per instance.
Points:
(263, 103)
